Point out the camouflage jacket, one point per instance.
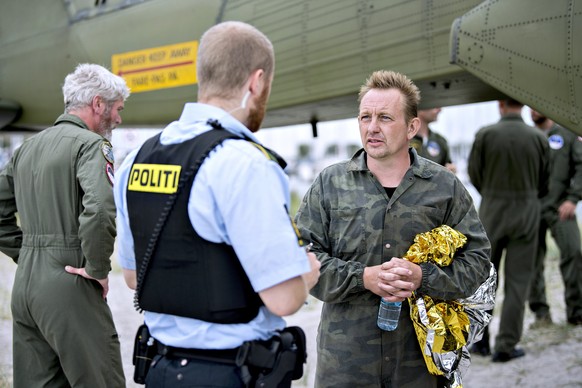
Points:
(352, 223)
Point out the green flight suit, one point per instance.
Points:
(565, 184)
(509, 166)
(353, 224)
(58, 182)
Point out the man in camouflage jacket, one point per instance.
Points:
(366, 211)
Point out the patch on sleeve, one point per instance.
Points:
(556, 142)
(110, 173)
(107, 150)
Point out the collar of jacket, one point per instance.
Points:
(67, 118)
(511, 116)
(555, 128)
(419, 165)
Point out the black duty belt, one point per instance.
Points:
(227, 356)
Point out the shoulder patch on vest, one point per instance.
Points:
(263, 150)
(271, 155)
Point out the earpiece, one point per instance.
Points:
(243, 103)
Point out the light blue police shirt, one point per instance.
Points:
(239, 197)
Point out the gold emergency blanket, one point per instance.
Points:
(444, 328)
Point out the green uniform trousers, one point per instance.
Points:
(62, 327)
(566, 234)
(512, 226)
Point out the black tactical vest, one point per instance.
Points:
(186, 275)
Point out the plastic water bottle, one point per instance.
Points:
(388, 315)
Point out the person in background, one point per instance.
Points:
(559, 216)
(509, 167)
(362, 215)
(430, 144)
(227, 263)
(60, 184)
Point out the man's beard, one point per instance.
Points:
(257, 115)
(105, 126)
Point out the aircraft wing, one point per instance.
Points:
(324, 51)
(530, 50)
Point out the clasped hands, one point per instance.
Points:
(394, 280)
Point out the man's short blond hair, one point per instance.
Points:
(384, 79)
(228, 54)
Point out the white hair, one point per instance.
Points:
(90, 80)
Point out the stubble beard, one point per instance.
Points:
(378, 154)
(257, 115)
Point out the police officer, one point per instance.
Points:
(509, 166)
(430, 144)
(60, 183)
(224, 263)
(559, 215)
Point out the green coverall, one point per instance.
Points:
(509, 166)
(565, 184)
(59, 183)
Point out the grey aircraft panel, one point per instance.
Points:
(530, 50)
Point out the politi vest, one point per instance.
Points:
(186, 275)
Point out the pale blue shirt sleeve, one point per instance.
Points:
(241, 197)
(125, 252)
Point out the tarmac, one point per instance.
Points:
(553, 354)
